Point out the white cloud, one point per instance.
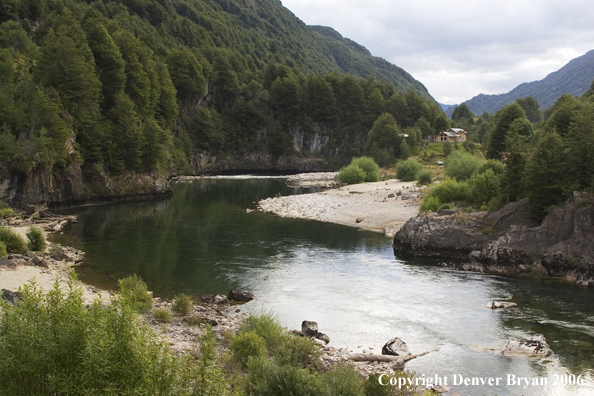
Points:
(459, 49)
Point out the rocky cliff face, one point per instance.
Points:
(506, 241)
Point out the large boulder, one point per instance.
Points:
(395, 347)
(10, 296)
(309, 328)
(240, 295)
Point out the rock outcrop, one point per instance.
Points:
(506, 241)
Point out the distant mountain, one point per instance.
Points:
(574, 78)
(446, 107)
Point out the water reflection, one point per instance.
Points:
(202, 241)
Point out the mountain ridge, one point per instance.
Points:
(574, 78)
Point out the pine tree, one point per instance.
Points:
(505, 118)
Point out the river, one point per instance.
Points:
(203, 241)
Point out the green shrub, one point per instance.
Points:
(266, 326)
(351, 174)
(162, 314)
(408, 170)
(461, 165)
(5, 212)
(36, 239)
(344, 380)
(182, 304)
(430, 203)
(445, 206)
(450, 190)
(496, 166)
(298, 351)
(54, 344)
(13, 241)
(267, 379)
(485, 187)
(3, 252)
(134, 290)
(247, 345)
(425, 177)
(369, 166)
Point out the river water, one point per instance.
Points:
(203, 241)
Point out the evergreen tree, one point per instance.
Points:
(462, 112)
(321, 104)
(350, 100)
(186, 75)
(516, 154)
(531, 108)
(441, 124)
(505, 118)
(384, 140)
(580, 142)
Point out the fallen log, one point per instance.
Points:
(367, 357)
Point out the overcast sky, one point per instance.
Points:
(460, 48)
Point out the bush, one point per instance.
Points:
(3, 252)
(13, 241)
(36, 239)
(496, 166)
(461, 165)
(182, 304)
(485, 187)
(54, 344)
(247, 345)
(344, 380)
(351, 174)
(447, 148)
(425, 177)
(266, 326)
(162, 314)
(430, 203)
(369, 166)
(408, 170)
(298, 351)
(5, 212)
(134, 290)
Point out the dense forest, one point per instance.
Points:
(542, 155)
(146, 85)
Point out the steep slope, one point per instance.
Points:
(574, 78)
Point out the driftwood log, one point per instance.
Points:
(366, 357)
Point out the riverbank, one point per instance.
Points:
(380, 206)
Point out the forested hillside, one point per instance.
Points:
(183, 86)
(573, 78)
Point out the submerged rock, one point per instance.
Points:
(535, 345)
(499, 304)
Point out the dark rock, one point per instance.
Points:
(446, 212)
(240, 295)
(10, 296)
(211, 322)
(58, 255)
(399, 193)
(38, 261)
(395, 347)
(359, 219)
(506, 241)
(309, 328)
(391, 195)
(323, 337)
(440, 388)
(406, 197)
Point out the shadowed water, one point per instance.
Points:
(202, 241)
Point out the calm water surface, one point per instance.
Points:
(202, 241)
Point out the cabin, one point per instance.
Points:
(451, 135)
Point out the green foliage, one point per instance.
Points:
(461, 165)
(344, 380)
(135, 292)
(54, 344)
(182, 304)
(462, 112)
(3, 252)
(5, 212)
(546, 175)
(531, 107)
(368, 166)
(580, 144)
(505, 118)
(485, 187)
(266, 326)
(494, 165)
(246, 345)
(13, 241)
(384, 140)
(447, 148)
(425, 177)
(298, 351)
(351, 174)
(431, 203)
(162, 315)
(408, 170)
(36, 239)
(449, 190)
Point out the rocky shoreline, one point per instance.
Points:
(507, 241)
